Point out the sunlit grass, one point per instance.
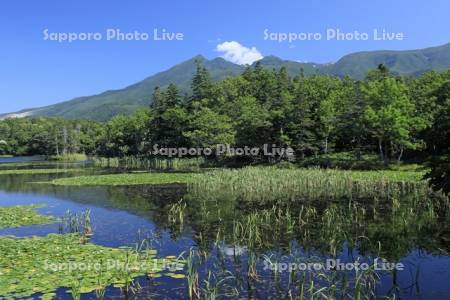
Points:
(262, 185)
(127, 179)
(391, 175)
(69, 157)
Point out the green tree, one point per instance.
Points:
(438, 142)
(201, 83)
(328, 118)
(390, 116)
(172, 96)
(208, 128)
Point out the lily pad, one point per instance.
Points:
(17, 216)
(43, 264)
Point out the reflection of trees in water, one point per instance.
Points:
(231, 229)
(390, 230)
(373, 227)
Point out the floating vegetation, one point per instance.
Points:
(17, 216)
(244, 226)
(126, 179)
(268, 185)
(43, 264)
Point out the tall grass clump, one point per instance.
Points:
(79, 223)
(69, 157)
(145, 163)
(268, 185)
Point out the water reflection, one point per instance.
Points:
(230, 234)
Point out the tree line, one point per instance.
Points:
(390, 116)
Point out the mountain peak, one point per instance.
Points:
(198, 57)
(271, 58)
(125, 101)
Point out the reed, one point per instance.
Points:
(75, 289)
(80, 223)
(213, 286)
(192, 264)
(69, 157)
(152, 163)
(176, 214)
(267, 185)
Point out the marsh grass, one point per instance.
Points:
(79, 223)
(176, 214)
(269, 185)
(144, 163)
(309, 232)
(321, 283)
(69, 157)
(215, 285)
(125, 179)
(192, 276)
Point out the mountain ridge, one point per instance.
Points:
(109, 103)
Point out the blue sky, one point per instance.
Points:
(35, 72)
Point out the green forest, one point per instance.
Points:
(385, 117)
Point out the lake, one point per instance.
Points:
(242, 250)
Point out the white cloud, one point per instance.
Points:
(238, 54)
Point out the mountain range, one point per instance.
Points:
(103, 106)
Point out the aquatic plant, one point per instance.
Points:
(176, 214)
(42, 264)
(69, 157)
(17, 216)
(213, 286)
(267, 185)
(154, 163)
(79, 222)
(126, 179)
(192, 277)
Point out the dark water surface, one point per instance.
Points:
(125, 215)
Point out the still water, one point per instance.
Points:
(123, 216)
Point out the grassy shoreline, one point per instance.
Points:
(269, 185)
(251, 175)
(68, 157)
(126, 179)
